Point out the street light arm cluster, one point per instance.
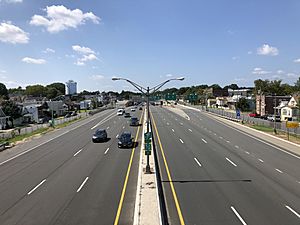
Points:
(137, 86)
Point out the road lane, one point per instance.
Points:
(50, 202)
(256, 192)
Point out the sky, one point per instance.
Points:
(205, 41)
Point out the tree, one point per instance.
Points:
(36, 90)
(11, 109)
(297, 85)
(3, 90)
(18, 90)
(243, 104)
(52, 92)
(215, 86)
(60, 87)
(231, 86)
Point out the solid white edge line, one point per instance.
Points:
(173, 130)
(190, 130)
(81, 186)
(231, 161)
(198, 162)
(243, 132)
(77, 152)
(36, 187)
(181, 140)
(204, 140)
(293, 211)
(238, 215)
(106, 151)
(278, 170)
(261, 160)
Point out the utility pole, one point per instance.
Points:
(275, 114)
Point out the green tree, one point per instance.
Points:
(243, 104)
(60, 87)
(36, 90)
(51, 92)
(261, 85)
(18, 90)
(3, 90)
(215, 86)
(231, 86)
(297, 85)
(11, 109)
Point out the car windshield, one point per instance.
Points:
(100, 132)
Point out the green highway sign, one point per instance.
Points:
(171, 96)
(147, 137)
(148, 146)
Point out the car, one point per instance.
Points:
(272, 118)
(99, 135)
(120, 112)
(127, 114)
(140, 108)
(134, 121)
(264, 117)
(132, 109)
(125, 140)
(253, 115)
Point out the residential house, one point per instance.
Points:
(3, 120)
(289, 110)
(265, 104)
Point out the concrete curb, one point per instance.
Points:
(147, 207)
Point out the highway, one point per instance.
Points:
(214, 174)
(67, 179)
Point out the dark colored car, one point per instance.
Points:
(100, 135)
(125, 140)
(140, 108)
(127, 114)
(134, 121)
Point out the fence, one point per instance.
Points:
(280, 126)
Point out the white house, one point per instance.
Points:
(289, 110)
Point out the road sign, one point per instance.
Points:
(238, 113)
(147, 137)
(171, 96)
(148, 146)
(292, 124)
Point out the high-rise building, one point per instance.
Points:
(71, 87)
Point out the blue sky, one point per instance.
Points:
(212, 41)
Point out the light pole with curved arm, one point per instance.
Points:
(147, 92)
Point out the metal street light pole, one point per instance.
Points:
(146, 92)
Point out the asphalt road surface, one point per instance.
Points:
(214, 174)
(69, 179)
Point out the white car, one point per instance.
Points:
(120, 112)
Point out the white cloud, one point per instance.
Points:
(33, 61)
(82, 49)
(260, 71)
(169, 75)
(10, 33)
(12, 1)
(97, 77)
(49, 50)
(292, 75)
(249, 52)
(3, 71)
(297, 60)
(86, 54)
(266, 49)
(60, 18)
(280, 71)
(235, 58)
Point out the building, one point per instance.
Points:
(289, 110)
(265, 104)
(3, 120)
(71, 87)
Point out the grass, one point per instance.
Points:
(292, 137)
(39, 131)
(262, 128)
